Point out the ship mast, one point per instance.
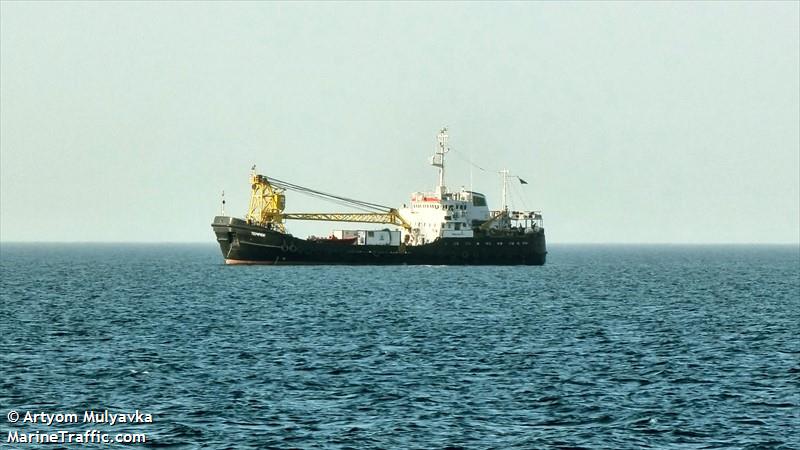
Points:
(437, 160)
(504, 172)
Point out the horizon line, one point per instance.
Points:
(796, 243)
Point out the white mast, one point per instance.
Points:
(504, 172)
(437, 160)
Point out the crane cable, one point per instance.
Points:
(510, 191)
(345, 201)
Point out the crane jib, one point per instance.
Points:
(267, 202)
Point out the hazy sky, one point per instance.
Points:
(632, 122)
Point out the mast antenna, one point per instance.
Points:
(437, 160)
(504, 172)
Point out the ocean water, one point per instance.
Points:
(604, 347)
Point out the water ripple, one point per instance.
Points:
(604, 347)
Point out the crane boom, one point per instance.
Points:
(392, 217)
(267, 202)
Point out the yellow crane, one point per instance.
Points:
(267, 202)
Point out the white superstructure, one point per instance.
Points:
(442, 213)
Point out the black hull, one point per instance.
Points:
(242, 243)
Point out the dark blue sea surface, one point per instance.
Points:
(603, 347)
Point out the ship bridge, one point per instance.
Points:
(459, 214)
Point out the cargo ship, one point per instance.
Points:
(440, 227)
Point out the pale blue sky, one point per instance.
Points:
(632, 122)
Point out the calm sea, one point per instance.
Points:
(604, 347)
